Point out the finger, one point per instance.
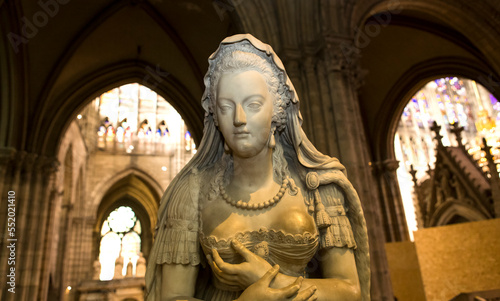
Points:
(314, 297)
(212, 264)
(227, 280)
(217, 271)
(221, 276)
(307, 294)
(230, 284)
(224, 266)
(292, 289)
(270, 274)
(215, 268)
(242, 250)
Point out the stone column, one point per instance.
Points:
(344, 77)
(80, 249)
(31, 178)
(8, 183)
(391, 203)
(51, 245)
(292, 62)
(307, 73)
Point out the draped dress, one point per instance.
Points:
(185, 242)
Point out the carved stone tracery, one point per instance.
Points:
(456, 187)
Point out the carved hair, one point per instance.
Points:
(244, 57)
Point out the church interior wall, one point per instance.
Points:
(100, 182)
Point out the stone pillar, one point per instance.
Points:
(96, 270)
(292, 63)
(9, 182)
(118, 267)
(391, 203)
(141, 266)
(307, 73)
(31, 178)
(86, 249)
(344, 77)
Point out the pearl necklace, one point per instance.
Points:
(243, 205)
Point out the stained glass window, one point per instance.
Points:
(445, 100)
(120, 236)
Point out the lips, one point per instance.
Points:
(241, 134)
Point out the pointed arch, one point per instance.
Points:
(94, 84)
(412, 81)
(135, 189)
(481, 33)
(13, 107)
(107, 185)
(447, 211)
(102, 17)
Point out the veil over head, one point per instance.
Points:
(211, 150)
(307, 154)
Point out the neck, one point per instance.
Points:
(253, 173)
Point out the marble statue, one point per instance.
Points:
(258, 213)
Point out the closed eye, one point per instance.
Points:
(255, 105)
(225, 108)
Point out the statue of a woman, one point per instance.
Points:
(258, 213)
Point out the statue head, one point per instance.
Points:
(241, 56)
(244, 110)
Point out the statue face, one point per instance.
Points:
(244, 112)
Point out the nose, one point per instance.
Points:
(240, 117)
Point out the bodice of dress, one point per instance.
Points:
(291, 251)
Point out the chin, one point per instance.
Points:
(244, 152)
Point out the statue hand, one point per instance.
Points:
(243, 274)
(260, 290)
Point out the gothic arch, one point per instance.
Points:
(106, 185)
(92, 85)
(449, 210)
(12, 119)
(131, 188)
(413, 80)
(481, 33)
(444, 20)
(100, 18)
(66, 95)
(382, 137)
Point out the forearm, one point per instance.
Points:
(178, 282)
(331, 289)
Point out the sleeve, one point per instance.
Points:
(177, 234)
(337, 231)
